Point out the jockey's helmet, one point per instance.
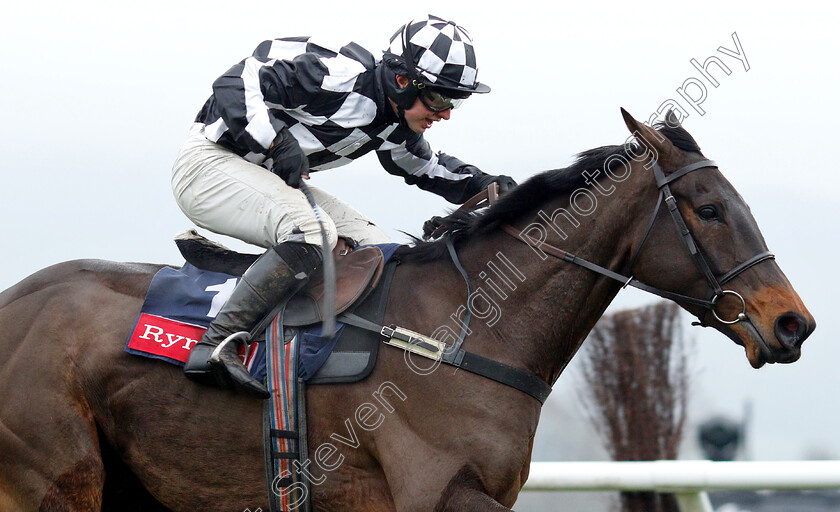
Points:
(439, 59)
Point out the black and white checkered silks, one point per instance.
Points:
(443, 53)
(329, 99)
(295, 83)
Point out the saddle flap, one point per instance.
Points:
(357, 274)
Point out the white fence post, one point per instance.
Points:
(694, 502)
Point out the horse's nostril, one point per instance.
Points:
(791, 329)
(790, 324)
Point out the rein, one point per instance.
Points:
(524, 380)
(453, 355)
(665, 196)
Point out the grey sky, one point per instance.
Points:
(98, 97)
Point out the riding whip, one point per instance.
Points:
(328, 327)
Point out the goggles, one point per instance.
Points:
(437, 101)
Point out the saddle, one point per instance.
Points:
(357, 274)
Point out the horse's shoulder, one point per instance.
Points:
(126, 278)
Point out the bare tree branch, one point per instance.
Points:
(635, 368)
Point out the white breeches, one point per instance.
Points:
(221, 191)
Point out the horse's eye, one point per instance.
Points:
(707, 212)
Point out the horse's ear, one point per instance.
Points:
(650, 138)
(671, 119)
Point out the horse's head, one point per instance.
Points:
(747, 296)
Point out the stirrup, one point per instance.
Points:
(215, 355)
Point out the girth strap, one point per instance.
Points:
(522, 380)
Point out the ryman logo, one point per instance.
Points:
(163, 337)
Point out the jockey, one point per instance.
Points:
(297, 105)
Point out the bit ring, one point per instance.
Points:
(741, 316)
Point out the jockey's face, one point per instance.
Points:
(418, 117)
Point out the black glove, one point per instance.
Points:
(506, 183)
(482, 181)
(290, 163)
(431, 225)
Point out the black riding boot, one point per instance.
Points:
(272, 279)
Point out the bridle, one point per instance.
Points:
(532, 384)
(665, 196)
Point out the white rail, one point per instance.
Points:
(687, 479)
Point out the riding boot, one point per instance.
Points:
(272, 279)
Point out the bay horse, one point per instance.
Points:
(84, 426)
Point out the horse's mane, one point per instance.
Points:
(461, 225)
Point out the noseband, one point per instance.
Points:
(715, 284)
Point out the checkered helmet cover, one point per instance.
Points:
(442, 51)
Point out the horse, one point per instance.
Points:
(84, 426)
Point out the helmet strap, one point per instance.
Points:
(406, 100)
(402, 97)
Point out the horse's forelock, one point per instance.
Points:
(679, 137)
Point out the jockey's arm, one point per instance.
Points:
(439, 173)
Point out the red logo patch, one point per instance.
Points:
(163, 337)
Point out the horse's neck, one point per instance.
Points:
(555, 304)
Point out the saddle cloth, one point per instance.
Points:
(181, 303)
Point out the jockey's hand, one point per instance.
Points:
(482, 181)
(290, 163)
(506, 183)
(431, 225)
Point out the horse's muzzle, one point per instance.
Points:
(792, 329)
